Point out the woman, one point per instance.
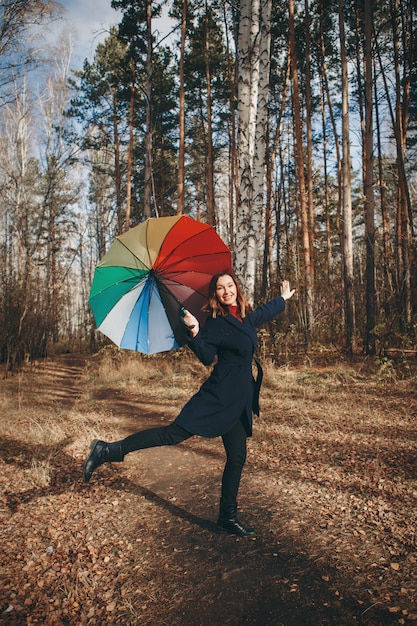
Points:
(223, 406)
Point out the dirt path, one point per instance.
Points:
(138, 545)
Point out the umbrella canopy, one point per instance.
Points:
(148, 274)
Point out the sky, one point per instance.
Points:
(88, 21)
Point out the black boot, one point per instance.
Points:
(229, 523)
(101, 452)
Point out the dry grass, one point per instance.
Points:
(330, 483)
(171, 378)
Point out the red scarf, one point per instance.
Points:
(234, 310)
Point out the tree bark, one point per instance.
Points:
(369, 188)
(347, 193)
(309, 137)
(253, 89)
(118, 178)
(405, 221)
(147, 192)
(260, 220)
(299, 158)
(130, 148)
(248, 81)
(386, 244)
(327, 99)
(181, 157)
(210, 202)
(232, 165)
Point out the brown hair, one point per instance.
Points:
(215, 308)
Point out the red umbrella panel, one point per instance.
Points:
(150, 273)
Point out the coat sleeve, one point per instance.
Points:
(204, 344)
(267, 311)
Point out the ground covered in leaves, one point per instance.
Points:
(330, 485)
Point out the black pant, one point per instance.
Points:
(234, 443)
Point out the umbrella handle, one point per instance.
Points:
(183, 312)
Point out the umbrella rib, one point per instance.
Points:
(179, 284)
(145, 265)
(120, 282)
(168, 263)
(194, 235)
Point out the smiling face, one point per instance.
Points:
(226, 291)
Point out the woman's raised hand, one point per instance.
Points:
(286, 291)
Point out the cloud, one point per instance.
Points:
(88, 21)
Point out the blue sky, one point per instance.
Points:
(88, 21)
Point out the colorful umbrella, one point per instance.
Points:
(148, 274)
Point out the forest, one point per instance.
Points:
(289, 126)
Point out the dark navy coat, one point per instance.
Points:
(230, 391)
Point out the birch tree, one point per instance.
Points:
(57, 193)
(253, 80)
(148, 182)
(210, 196)
(99, 106)
(259, 221)
(17, 56)
(181, 117)
(18, 176)
(346, 192)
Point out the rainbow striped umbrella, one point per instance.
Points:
(148, 274)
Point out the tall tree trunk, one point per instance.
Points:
(268, 270)
(309, 137)
(267, 253)
(329, 252)
(259, 220)
(248, 83)
(359, 39)
(347, 193)
(327, 99)
(405, 220)
(369, 186)
(232, 165)
(131, 143)
(52, 267)
(118, 181)
(335, 133)
(386, 244)
(253, 89)
(181, 158)
(147, 192)
(210, 201)
(300, 175)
